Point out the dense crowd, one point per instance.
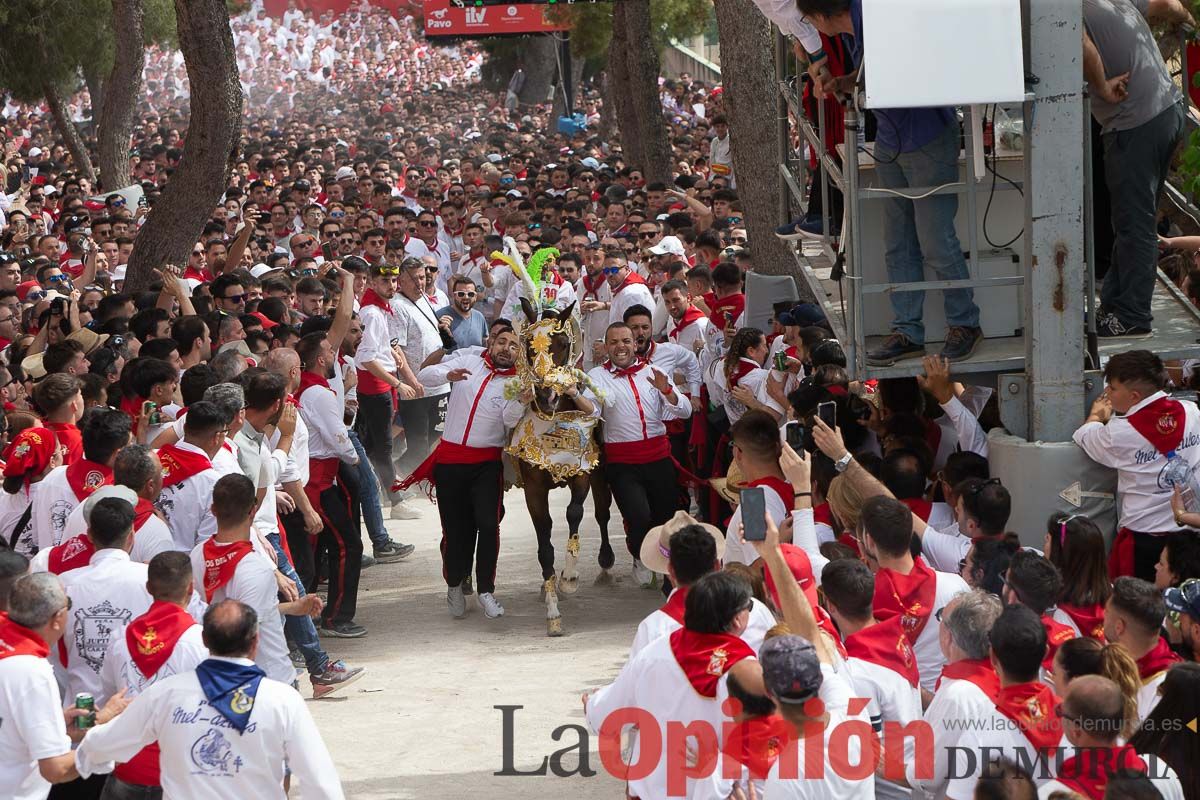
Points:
(188, 470)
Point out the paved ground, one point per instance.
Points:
(422, 723)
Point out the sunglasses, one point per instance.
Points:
(612, 270)
(35, 296)
(738, 240)
(336, 214)
(427, 223)
(346, 240)
(457, 194)
(647, 234)
(305, 243)
(456, 294)
(58, 278)
(196, 253)
(235, 298)
(119, 202)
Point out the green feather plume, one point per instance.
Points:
(537, 264)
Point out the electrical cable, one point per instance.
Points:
(992, 193)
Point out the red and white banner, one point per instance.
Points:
(445, 18)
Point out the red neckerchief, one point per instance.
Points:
(202, 275)
(151, 638)
(17, 640)
(782, 488)
(919, 507)
(1158, 660)
(220, 562)
(70, 440)
(504, 373)
(705, 657)
(132, 405)
(689, 316)
(632, 279)
(178, 465)
(758, 742)
(590, 286)
(1087, 772)
(1089, 619)
(72, 554)
(4, 342)
(1056, 633)
(142, 512)
(308, 380)
(1032, 706)
(908, 596)
(1161, 423)
(370, 298)
(744, 367)
(85, 477)
(621, 372)
(886, 644)
(735, 304)
(978, 671)
(675, 604)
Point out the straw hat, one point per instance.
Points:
(656, 548)
(729, 487)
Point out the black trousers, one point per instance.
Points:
(469, 498)
(374, 427)
(421, 418)
(646, 494)
(341, 539)
(303, 549)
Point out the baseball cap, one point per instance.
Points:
(669, 244)
(111, 490)
(34, 152)
(802, 315)
(258, 270)
(791, 669)
(1185, 599)
(800, 566)
(343, 173)
(590, 163)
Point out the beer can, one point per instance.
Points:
(86, 702)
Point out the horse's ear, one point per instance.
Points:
(565, 314)
(531, 313)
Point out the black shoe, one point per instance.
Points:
(960, 343)
(467, 588)
(393, 551)
(893, 349)
(368, 561)
(343, 630)
(1109, 327)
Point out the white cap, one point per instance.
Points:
(343, 172)
(513, 193)
(590, 163)
(111, 490)
(495, 158)
(34, 152)
(258, 270)
(669, 244)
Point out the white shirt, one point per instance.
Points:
(12, 508)
(928, 651)
(955, 700)
(203, 758)
(971, 438)
(253, 583)
(152, 538)
(120, 671)
(323, 419)
(836, 692)
(695, 337)
(658, 623)
(892, 700)
(1165, 780)
(477, 413)
(105, 596)
(31, 725)
(677, 361)
(418, 336)
(1147, 696)
(187, 505)
(633, 409)
(993, 729)
(594, 323)
(739, 552)
(557, 295)
(944, 551)
(1145, 502)
(627, 296)
(51, 507)
(379, 329)
(752, 381)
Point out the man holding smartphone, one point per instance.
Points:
(756, 451)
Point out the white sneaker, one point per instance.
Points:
(642, 574)
(457, 603)
(490, 605)
(405, 511)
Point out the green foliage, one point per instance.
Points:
(53, 40)
(670, 19)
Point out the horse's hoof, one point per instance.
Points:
(568, 585)
(605, 578)
(554, 627)
(606, 558)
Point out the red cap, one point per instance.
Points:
(25, 288)
(29, 453)
(801, 568)
(266, 321)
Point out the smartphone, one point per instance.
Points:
(781, 361)
(793, 434)
(754, 513)
(827, 413)
(327, 251)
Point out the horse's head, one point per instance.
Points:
(549, 351)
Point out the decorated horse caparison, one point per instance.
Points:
(554, 444)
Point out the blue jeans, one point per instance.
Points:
(368, 498)
(921, 232)
(300, 630)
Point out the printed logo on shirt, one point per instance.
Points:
(94, 628)
(716, 662)
(73, 547)
(1166, 424)
(212, 755)
(59, 511)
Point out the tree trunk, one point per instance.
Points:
(114, 119)
(608, 108)
(209, 147)
(541, 68)
(94, 82)
(751, 96)
(641, 54)
(70, 134)
(618, 88)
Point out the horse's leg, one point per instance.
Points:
(569, 579)
(537, 499)
(602, 500)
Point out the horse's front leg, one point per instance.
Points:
(569, 580)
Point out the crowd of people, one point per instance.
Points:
(188, 470)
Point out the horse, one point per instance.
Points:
(556, 445)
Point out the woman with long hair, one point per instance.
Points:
(743, 370)
(1084, 656)
(1164, 732)
(1075, 545)
(28, 457)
